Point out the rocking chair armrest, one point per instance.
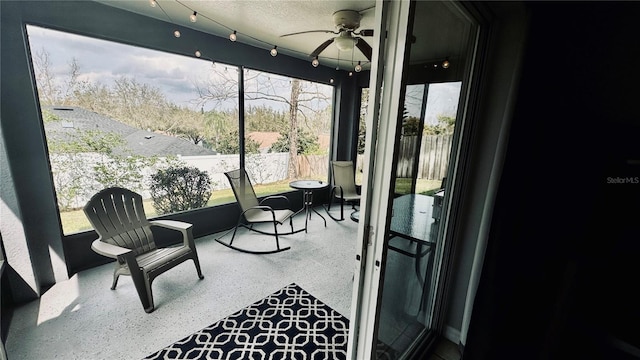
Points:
(263, 208)
(259, 207)
(109, 250)
(271, 197)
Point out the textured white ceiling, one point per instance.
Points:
(261, 23)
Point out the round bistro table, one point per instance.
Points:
(308, 187)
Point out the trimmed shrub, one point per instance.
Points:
(179, 189)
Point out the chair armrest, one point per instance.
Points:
(263, 208)
(260, 207)
(272, 197)
(171, 224)
(108, 250)
(184, 227)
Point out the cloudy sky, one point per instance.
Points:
(176, 75)
(104, 61)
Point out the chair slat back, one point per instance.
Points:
(117, 215)
(344, 175)
(242, 188)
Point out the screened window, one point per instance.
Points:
(147, 120)
(276, 108)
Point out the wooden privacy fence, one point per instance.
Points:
(313, 166)
(433, 158)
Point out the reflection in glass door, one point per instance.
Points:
(428, 122)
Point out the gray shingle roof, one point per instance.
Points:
(139, 142)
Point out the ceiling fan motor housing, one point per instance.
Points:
(347, 19)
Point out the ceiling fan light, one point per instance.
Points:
(344, 43)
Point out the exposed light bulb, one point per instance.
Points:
(233, 36)
(193, 17)
(198, 53)
(331, 81)
(445, 64)
(153, 3)
(176, 33)
(274, 51)
(358, 67)
(315, 62)
(350, 73)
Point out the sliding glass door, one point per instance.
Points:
(423, 88)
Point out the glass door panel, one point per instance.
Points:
(434, 74)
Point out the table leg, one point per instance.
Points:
(308, 196)
(308, 207)
(316, 211)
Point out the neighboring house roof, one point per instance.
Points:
(139, 142)
(266, 139)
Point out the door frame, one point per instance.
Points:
(393, 19)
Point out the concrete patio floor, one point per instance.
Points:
(81, 318)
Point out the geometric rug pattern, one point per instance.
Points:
(288, 324)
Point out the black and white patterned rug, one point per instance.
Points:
(288, 324)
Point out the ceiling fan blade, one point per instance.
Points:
(311, 31)
(365, 32)
(321, 48)
(365, 48)
(366, 9)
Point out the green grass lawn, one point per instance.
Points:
(425, 187)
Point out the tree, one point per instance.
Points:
(362, 123)
(410, 126)
(228, 144)
(47, 89)
(189, 125)
(307, 143)
(301, 98)
(293, 128)
(141, 105)
(52, 90)
(264, 118)
(445, 126)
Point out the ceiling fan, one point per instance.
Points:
(347, 23)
